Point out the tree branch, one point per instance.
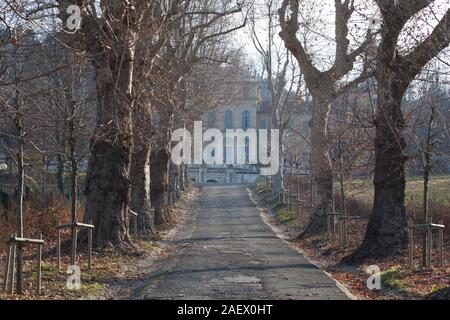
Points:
(438, 40)
(289, 28)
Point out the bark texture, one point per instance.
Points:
(143, 133)
(387, 229)
(159, 169)
(140, 189)
(107, 192)
(322, 186)
(108, 180)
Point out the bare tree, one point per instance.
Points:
(143, 131)
(109, 35)
(17, 82)
(67, 116)
(16, 105)
(283, 77)
(426, 129)
(387, 229)
(195, 37)
(324, 89)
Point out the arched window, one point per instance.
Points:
(228, 119)
(245, 120)
(211, 119)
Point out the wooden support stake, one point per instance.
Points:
(441, 245)
(7, 266)
(58, 250)
(411, 247)
(39, 268)
(12, 268)
(73, 254)
(429, 244)
(90, 233)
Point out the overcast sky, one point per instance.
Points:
(321, 34)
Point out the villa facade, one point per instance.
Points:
(248, 109)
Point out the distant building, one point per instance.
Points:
(248, 108)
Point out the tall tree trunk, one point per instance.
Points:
(173, 182)
(387, 228)
(140, 168)
(159, 171)
(140, 187)
(107, 180)
(387, 232)
(321, 166)
(72, 141)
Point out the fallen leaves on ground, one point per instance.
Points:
(326, 252)
(113, 273)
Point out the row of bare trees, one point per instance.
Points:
(135, 70)
(111, 91)
(384, 42)
(143, 61)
